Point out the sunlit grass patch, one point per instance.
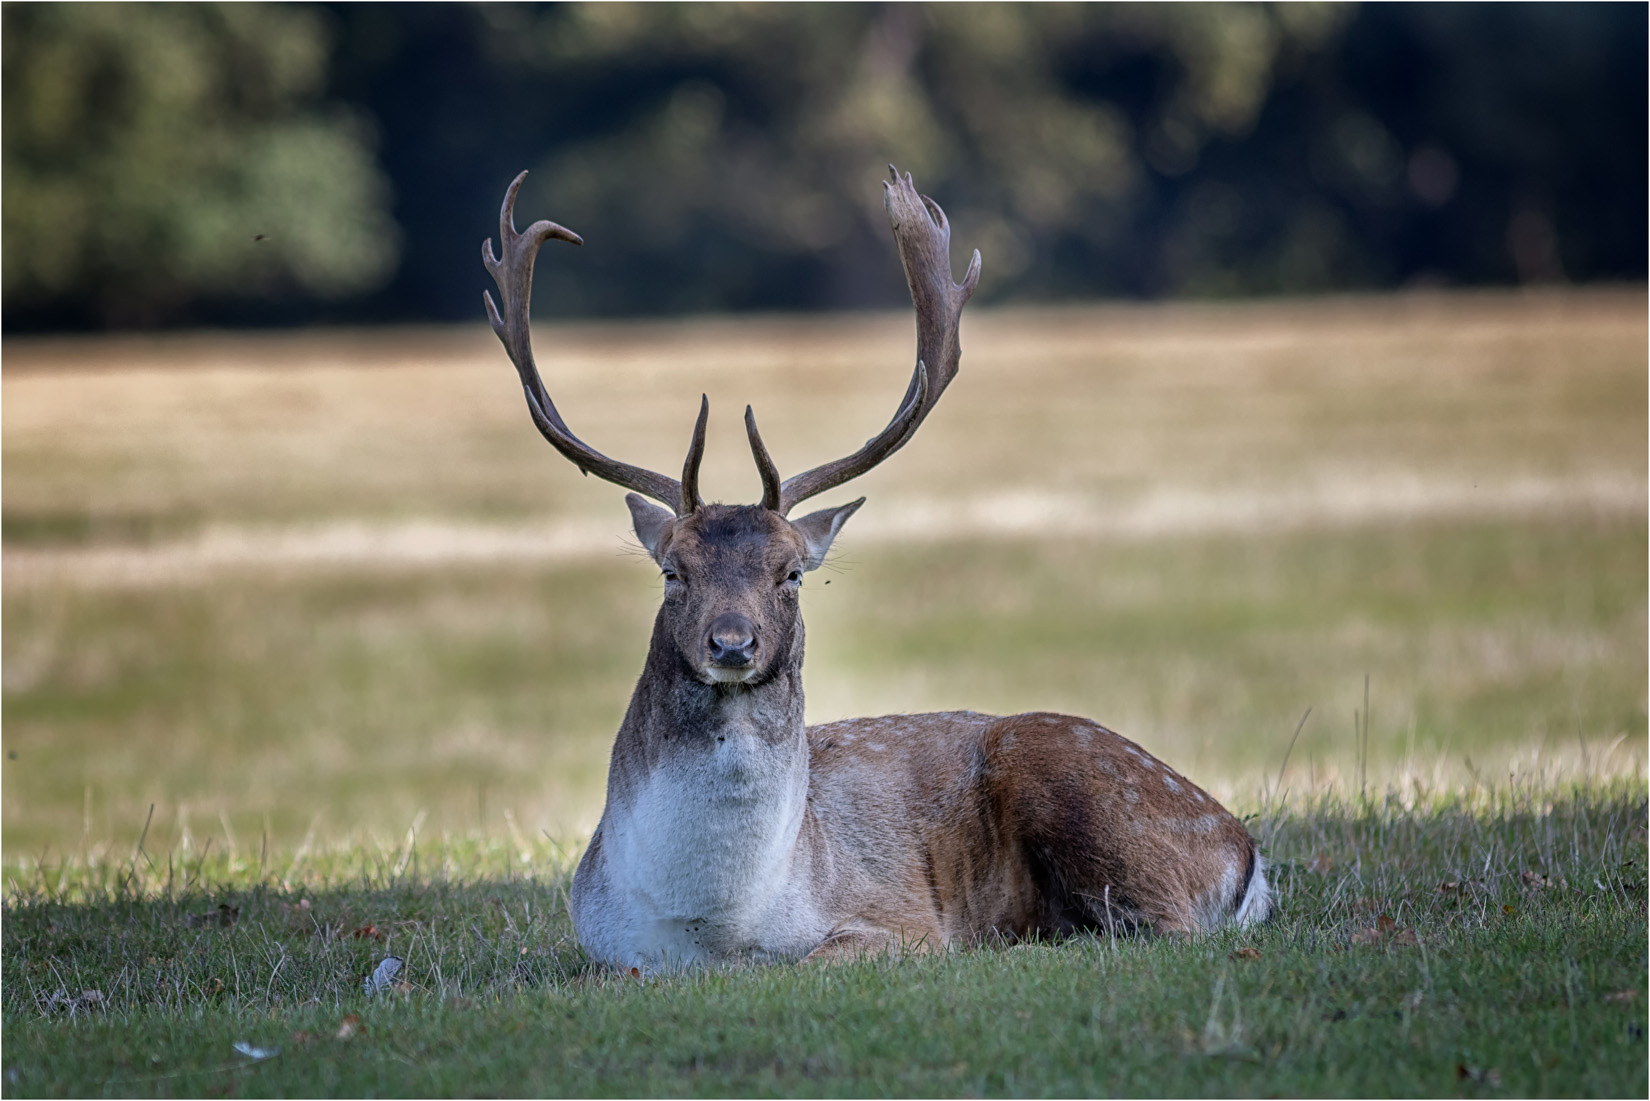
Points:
(349, 704)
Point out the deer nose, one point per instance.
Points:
(732, 640)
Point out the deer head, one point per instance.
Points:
(732, 573)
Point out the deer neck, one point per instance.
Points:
(708, 791)
(675, 717)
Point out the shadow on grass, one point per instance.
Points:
(1426, 944)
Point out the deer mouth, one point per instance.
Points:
(730, 674)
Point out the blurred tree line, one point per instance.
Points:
(276, 164)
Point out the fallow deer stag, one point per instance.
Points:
(732, 831)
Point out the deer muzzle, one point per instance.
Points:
(731, 647)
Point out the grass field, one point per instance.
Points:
(1481, 945)
(330, 607)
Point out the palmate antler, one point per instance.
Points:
(923, 235)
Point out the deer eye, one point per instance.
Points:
(672, 577)
(794, 577)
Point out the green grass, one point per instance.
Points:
(1485, 944)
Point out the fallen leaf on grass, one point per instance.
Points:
(382, 975)
(1538, 882)
(368, 932)
(1449, 885)
(256, 1053)
(348, 1027)
(1509, 910)
(1386, 931)
(1321, 864)
(1622, 996)
(224, 917)
(214, 987)
(1246, 954)
(1490, 1077)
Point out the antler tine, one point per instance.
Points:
(923, 234)
(514, 276)
(771, 489)
(696, 452)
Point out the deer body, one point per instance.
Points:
(734, 832)
(745, 836)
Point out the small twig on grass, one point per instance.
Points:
(137, 852)
(1300, 726)
(229, 836)
(1278, 787)
(269, 987)
(200, 866)
(303, 847)
(410, 844)
(1363, 750)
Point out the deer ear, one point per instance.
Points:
(818, 529)
(651, 522)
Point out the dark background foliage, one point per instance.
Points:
(185, 164)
